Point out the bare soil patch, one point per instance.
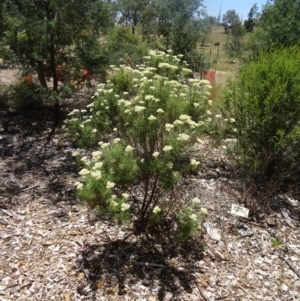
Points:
(9, 76)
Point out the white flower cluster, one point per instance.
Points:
(196, 200)
(129, 149)
(152, 118)
(110, 185)
(139, 109)
(155, 154)
(97, 165)
(156, 210)
(149, 97)
(96, 174)
(78, 185)
(183, 137)
(97, 154)
(194, 162)
(178, 122)
(167, 148)
(187, 120)
(84, 172)
(125, 207)
(125, 195)
(169, 126)
(193, 217)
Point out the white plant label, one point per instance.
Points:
(239, 211)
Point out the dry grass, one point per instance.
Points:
(216, 92)
(218, 52)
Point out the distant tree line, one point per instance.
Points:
(46, 36)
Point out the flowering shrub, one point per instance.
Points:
(147, 121)
(189, 217)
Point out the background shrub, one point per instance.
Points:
(4, 96)
(124, 47)
(262, 111)
(27, 97)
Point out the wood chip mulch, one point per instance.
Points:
(53, 248)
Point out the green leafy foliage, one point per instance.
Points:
(27, 97)
(234, 43)
(229, 19)
(280, 20)
(54, 38)
(124, 47)
(252, 18)
(190, 219)
(4, 96)
(132, 12)
(276, 243)
(263, 113)
(277, 26)
(147, 121)
(187, 223)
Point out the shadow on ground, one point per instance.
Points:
(29, 160)
(162, 267)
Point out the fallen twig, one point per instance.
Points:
(10, 214)
(30, 187)
(290, 264)
(216, 253)
(74, 220)
(202, 295)
(48, 139)
(222, 297)
(156, 265)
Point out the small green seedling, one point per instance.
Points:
(276, 243)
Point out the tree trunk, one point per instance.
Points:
(41, 75)
(55, 80)
(50, 17)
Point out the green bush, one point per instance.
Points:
(262, 111)
(200, 61)
(124, 47)
(148, 125)
(4, 96)
(27, 97)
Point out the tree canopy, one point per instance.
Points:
(131, 11)
(61, 38)
(177, 23)
(47, 31)
(280, 20)
(51, 36)
(252, 18)
(234, 44)
(229, 19)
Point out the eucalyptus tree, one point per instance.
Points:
(206, 24)
(234, 43)
(229, 19)
(52, 31)
(131, 12)
(278, 26)
(280, 20)
(252, 18)
(177, 22)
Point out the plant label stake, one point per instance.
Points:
(239, 211)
